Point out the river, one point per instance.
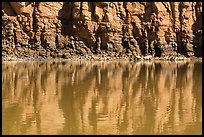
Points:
(77, 97)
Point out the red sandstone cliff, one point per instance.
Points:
(62, 29)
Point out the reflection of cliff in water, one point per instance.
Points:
(101, 98)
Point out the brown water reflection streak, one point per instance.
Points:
(101, 98)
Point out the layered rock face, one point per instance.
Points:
(63, 29)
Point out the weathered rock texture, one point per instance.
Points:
(63, 29)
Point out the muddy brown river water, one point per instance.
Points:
(78, 97)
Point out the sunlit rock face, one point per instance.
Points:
(138, 28)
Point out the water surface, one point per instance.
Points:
(101, 97)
